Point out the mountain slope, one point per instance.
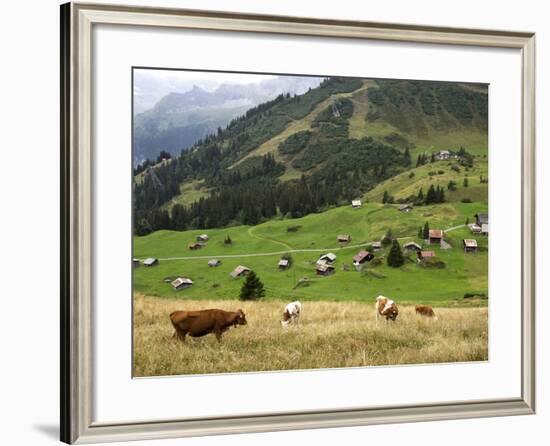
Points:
(297, 155)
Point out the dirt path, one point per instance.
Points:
(251, 234)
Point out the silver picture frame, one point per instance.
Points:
(77, 22)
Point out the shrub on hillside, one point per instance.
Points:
(295, 142)
(433, 263)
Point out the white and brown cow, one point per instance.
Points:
(386, 308)
(291, 313)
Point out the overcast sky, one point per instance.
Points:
(203, 79)
(151, 85)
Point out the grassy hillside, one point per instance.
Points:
(339, 116)
(260, 247)
(438, 173)
(343, 334)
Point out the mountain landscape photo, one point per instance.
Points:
(342, 194)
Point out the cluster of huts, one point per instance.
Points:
(199, 243)
(325, 264)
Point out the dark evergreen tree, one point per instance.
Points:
(465, 181)
(426, 233)
(388, 238)
(431, 195)
(395, 256)
(407, 158)
(179, 217)
(253, 288)
(386, 197)
(440, 195)
(451, 185)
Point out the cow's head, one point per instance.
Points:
(286, 318)
(241, 318)
(392, 313)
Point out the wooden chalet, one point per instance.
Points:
(412, 246)
(135, 262)
(324, 269)
(343, 238)
(435, 236)
(196, 245)
(356, 203)
(425, 255)
(482, 219)
(150, 261)
(376, 246)
(405, 208)
(214, 262)
(181, 283)
(202, 238)
(443, 155)
(470, 245)
(283, 264)
(239, 271)
(362, 257)
(474, 228)
(327, 258)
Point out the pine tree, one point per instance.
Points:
(407, 157)
(395, 257)
(431, 196)
(252, 288)
(426, 234)
(388, 238)
(421, 195)
(441, 195)
(228, 241)
(386, 197)
(465, 181)
(420, 233)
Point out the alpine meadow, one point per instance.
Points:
(294, 222)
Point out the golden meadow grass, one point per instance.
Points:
(330, 334)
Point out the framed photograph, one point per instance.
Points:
(285, 222)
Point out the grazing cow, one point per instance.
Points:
(202, 322)
(291, 313)
(385, 307)
(424, 310)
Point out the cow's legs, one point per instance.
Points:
(218, 334)
(179, 334)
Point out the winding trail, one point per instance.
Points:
(290, 250)
(265, 239)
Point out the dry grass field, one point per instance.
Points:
(331, 334)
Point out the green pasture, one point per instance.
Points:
(316, 234)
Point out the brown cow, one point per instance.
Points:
(202, 322)
(424, 310)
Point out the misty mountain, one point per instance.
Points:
(179, 119)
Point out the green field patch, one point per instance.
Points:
(260, 248)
